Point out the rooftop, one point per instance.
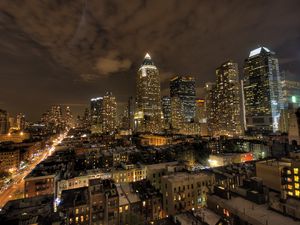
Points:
(74, 197)
(259, 50)
(253, 213)
(28, 210)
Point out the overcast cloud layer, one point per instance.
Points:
(67, 51)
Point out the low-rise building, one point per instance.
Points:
(34, 211)
(9, 159)
(185, 191)
(238, 210)
(154, 140)
(75, 206)
(281, 175)
(40, 185)
(129, 173)
(229, 158)
(104, 202)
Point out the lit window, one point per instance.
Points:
(296, 178)
(144, 203)
(76, 211)
(290, 187)
(120, 209)
(297, 193)
(288, 172)
(290, 193)
(126, 207)
(81, 219)
(296, 170)
(76, 218)
(297, 185)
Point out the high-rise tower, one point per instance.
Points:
(262, 91)
(96, 110)
(4, 123)
(109, 112)
(148, 115)
(184, 88)
(228, 99)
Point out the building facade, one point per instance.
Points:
(184, 88)
(148, 115)
(183, 191)
(96, 110)
(166, 108)
(262, 91)
(4, 123)
(109, 113)
(228, 100)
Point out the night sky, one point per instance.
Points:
(67, 51)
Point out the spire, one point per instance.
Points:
(147, 60)
(147, 56)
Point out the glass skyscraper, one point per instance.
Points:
(96, 110)
(262, 91)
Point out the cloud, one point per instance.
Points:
(112, 63)
(87, 77)
(67, 51)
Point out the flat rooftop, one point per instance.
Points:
(253, 213)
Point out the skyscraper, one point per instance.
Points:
(228, 100)
(109, 113)
(262, 91)
(290, 102)
(131, 110)
(69, 117)
(184, 88)
(290, 92)
(166, 108)
(200, 111)
(96, 110)
(177, 113)
(211, 107)
(4, 123)
(148, 115)
(21, 121)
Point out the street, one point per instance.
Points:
(15, 189)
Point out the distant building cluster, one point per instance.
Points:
(261, 102)
(230, 157)
(58, 119)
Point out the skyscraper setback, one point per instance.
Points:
(148, 115)
(262, 91)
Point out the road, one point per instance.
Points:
(16, 189)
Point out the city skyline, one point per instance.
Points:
(44, 69)
(149, 112)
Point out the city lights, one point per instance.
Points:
(149, 112)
